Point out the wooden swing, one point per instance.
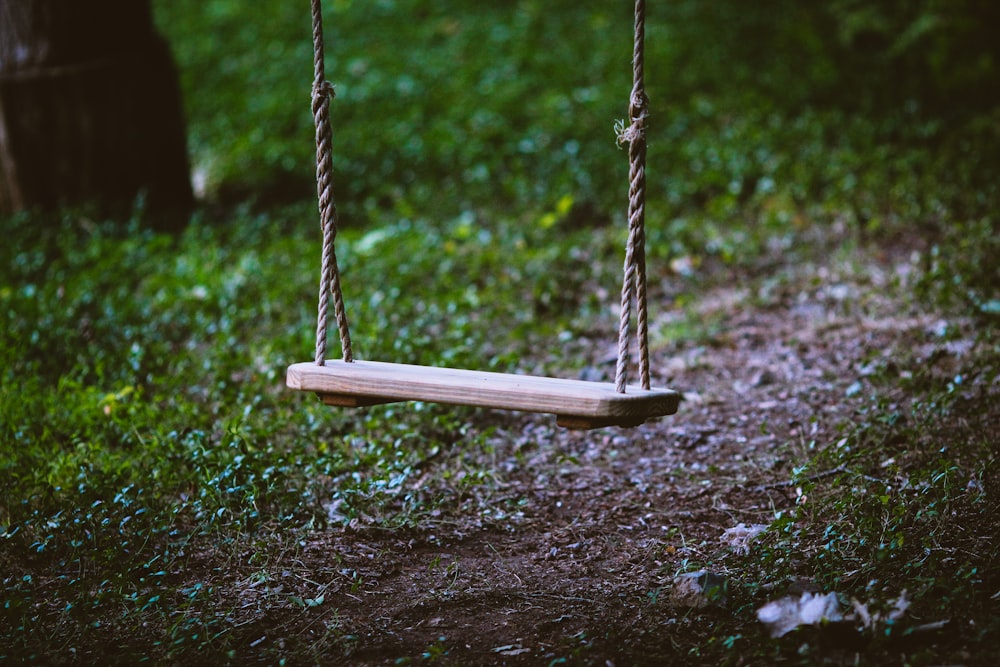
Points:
(576, 403)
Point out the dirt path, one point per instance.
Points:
(569, 554)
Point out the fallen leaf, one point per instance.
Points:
(784, 615)
(738, 537)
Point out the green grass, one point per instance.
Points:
(143, 401)
(908, 510)
(142, 408)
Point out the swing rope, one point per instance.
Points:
(634, 279)
(322, 93)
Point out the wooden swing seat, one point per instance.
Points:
(577, 404)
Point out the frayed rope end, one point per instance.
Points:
(635, 131)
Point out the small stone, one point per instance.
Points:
(764, 377)
(699, 589)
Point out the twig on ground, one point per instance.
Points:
(811, 478)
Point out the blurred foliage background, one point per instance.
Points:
(478, 91)
(881, 114)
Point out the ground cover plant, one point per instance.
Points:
(824, 283)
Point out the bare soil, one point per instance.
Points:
(568, 550)
(569, 553)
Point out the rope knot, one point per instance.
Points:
(638, 104)
(638, 111)
(323, 91)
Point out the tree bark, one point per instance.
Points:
(90, 109)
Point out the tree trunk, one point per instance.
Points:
(90, 108)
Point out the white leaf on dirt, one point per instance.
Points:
(738, 537)
(861, 613)
(784, 615)
(869, 620)
(898, 609)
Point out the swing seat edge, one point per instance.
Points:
(576, 403)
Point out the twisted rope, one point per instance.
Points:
(322, 93)
(634, 281)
